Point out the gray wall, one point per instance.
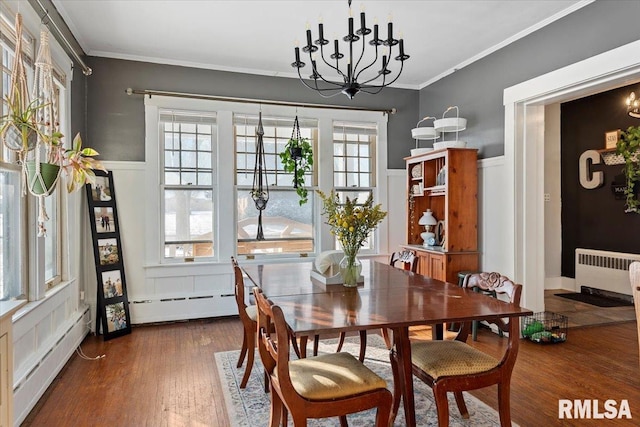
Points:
(116, 120)
(478, 89)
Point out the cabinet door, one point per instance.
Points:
(436, 267)
(424, 267)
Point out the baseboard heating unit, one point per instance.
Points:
(604, 271)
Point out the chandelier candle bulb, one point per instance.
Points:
(309, 39)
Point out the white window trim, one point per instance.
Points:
(225, 227)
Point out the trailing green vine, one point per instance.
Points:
(628, 147)
(297, 158)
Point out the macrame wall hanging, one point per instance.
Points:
(19, 132)
(42, 174)
(260, 188)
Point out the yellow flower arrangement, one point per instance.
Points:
(351, 223)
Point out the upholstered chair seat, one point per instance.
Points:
(332, 376)
(447, 358)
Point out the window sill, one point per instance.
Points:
(29, 306)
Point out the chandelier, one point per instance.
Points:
(633, 105)
(356, 76)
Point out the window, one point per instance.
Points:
(12, 234)
(287, 226)
(52, 259)
(217, 219)
(188, 184)
(354, 146)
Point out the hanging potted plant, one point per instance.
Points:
(297, 158)
(628, 147)
(19, 129)
(77, 163)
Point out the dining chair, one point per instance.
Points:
(328, 385)
(454, 366)
(634, 278)
(248, 317)
(469, 280)
(407, 260)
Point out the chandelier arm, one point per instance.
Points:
(364, 45)
(386, 84)
(369, 66)
(331, 66)
(319, 89)
(338, 85)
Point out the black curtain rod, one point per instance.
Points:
(131, 91)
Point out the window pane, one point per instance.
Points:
(10, 233)
(188, 159)
(287, 226)
(51, 239)
(204, 160)
(188, 216)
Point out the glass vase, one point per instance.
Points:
(350, 268)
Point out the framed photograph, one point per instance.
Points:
(104, 220)
(112, 310)
(101, 189)
(112, 285)
(116, 320)
(611, 139)
(108, 251)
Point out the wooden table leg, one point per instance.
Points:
(403, 349)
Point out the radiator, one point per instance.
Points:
(604, 270)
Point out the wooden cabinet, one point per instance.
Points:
(446, 182)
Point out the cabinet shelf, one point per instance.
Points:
(436, 190)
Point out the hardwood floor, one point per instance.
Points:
(165, 375)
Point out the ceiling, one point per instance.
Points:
(258, 36)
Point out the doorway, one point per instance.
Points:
(524, 151)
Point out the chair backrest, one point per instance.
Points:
(239, 287)
(407, 260)
(634, 278)
(495, 284)
(274, 350)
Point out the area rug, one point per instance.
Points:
(596, 300)
(249, 407)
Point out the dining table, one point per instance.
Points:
(388, 297)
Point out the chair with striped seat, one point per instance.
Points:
(454, 366)
(329, 385)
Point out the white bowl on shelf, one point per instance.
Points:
(418, 151)
(450, 124)
(424, 133)
(449, 144)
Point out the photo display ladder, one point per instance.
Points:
(112, 304)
